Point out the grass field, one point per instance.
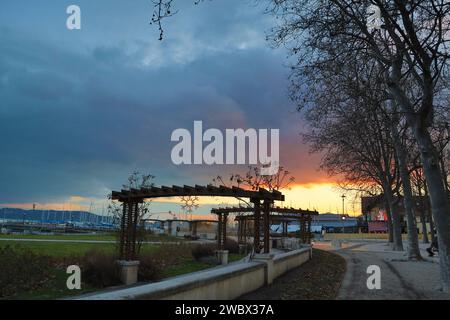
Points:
(63, 249)
(87, 237)
(95, 237)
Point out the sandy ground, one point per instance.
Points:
(400, 279)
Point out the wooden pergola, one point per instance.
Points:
(131, 199)
(248, 215)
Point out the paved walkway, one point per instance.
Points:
(400, 278)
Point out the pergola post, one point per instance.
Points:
(257, 219)
(127, 250)
(194, 229)
(285, 228)
(130, 215)
(224, 233)
(266, 217)
(303, 228)
(169, 227)
(222, 254)
(308, 228)
(134, 221)
(219, 231)
(245, 231)
(123, 230)
(239, 232)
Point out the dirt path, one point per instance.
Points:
(319, 278)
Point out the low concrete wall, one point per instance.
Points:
(286, 261)
(220, 283)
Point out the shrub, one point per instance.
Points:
(151, 267)
(21, 270)
(153, 264)
(100, 269)
(202, 250)
(231, 245)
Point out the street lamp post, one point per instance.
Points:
(343, 212)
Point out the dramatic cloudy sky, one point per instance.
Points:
(80, 110)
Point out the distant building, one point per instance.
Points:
(375, 213)
(331, 222)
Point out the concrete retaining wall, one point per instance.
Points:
(225, 282)
(286, 261)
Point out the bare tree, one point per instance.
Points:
(253, 180)
(412, 46)
(163, 9)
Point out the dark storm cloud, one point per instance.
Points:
(76, 120)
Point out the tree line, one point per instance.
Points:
(377, 102)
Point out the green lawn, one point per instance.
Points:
(63, 249)
(187, 266)
(190, 265)
(93, 237)
(235, 257)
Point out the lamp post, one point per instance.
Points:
(343, 212)
(343, 203)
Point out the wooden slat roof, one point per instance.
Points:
(280, 210)
(180, 220)
(177, 191)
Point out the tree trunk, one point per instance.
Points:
(423, 220)
(413, 239)
(429, 213)
(396, 223)
(444, 174)
(438, 196)
(389, 223)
